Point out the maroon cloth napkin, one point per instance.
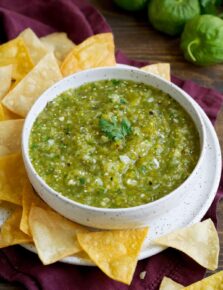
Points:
(80, 20)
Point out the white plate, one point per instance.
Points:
(201, 192)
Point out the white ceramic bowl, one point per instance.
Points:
(100, 217)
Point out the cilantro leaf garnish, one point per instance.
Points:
(126, 127)
(114, 130)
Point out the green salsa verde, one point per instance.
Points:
(114, 144)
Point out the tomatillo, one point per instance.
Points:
(170, 16)
(202, 40)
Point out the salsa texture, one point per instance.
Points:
(114, 144)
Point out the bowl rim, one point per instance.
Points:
(28, 163)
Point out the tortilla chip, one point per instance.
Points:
(199, 241)
(35, 47)
(5, 79)
(54, 236)
(10, 232)
(83, 255)
(14, 83)
(29, 198)
(59, 43)
(10, 136)
(7, 115)
(213, 282)
(12, 178)
(23, 96)
(95, 51)
(160, 69)
(7, 208)
(169, 284)
(16, 53)
(1, 113)
(114, 252)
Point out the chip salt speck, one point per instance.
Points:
(142, 275)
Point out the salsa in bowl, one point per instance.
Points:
(107, 146)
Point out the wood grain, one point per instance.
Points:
(138, 40)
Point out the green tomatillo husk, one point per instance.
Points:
(170, 16)
(202, 40)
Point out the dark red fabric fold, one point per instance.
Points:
(80, 20)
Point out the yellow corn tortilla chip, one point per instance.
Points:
(213, 282)
(10, 136)
(169, 284)
(199, 241)
(54, 236)
(59, 43)
(12, 178)
(7, 208)
(5, 79)
(83, 255)
(35, 47)
(95, 51)
(14, 83)
(114, 252)
(10, 232)
(5, 114)
(44, 75)
(16, 53)
(160, 69)
(1, 113)
(29, 198)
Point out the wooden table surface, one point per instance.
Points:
(138, 40)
